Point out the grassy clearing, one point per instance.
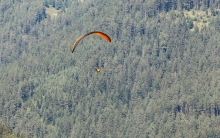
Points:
(200, 18)
(52, 12)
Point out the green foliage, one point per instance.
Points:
(159, 78)
(6, 132)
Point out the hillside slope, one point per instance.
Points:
(160, 74)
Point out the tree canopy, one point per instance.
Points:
(160, 73)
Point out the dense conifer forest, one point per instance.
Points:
(7, 132)
(160, 74)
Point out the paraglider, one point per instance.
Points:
(106, 37)
(98, 70)
(101, 34)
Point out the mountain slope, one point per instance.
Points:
(160, 74)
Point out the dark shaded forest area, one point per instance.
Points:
(160, 74)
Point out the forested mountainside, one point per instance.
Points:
(160, 74)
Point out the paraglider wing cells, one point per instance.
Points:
(103, 36)
(106, 37)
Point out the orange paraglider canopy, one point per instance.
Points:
(106, 37)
